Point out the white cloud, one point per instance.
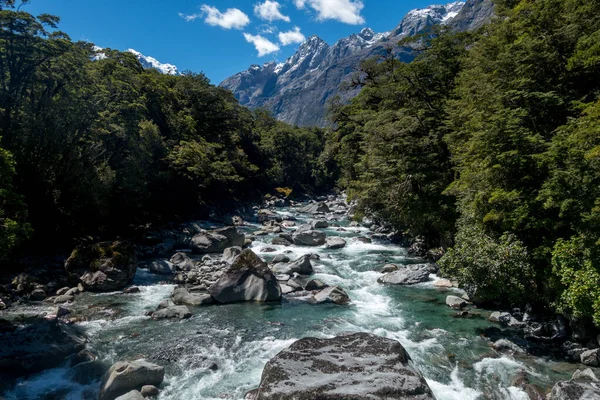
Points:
(263, 45)
(269, 11)
(267, 29)
(232, 18)
(293, 36)
(346, 11)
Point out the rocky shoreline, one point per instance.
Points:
(213, 266)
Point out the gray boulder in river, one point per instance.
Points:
(407, 275)
(217, 241)
(309, 238)
(315, 208)
(102, 267)
(358, 366)
(584, 385)
(125, 376)
(42, 345)
(247, 279)
(301, 266)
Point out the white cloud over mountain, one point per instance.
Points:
(346, 11)
(292, 36)
(232, 18)
(263, 45)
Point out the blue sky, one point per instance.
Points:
(219, 37)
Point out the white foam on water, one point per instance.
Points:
(56, 380)
(454, 390)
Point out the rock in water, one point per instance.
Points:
(333, 294)
(309, 238)
(217, 241)
(181, 296)
(315, 208)
(583, 386)
(125, 376)
(358, 366)
(133, 395)
(102, 267)
(335, 243)
(248, 279)
(39, 346)
(301, 266)
(407, 275)
(455, 302)
(168, 310)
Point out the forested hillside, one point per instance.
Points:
(489, 144)
(91, 145)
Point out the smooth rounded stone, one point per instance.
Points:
(584, 385)
(247, 279)
(181, 296)
(319, 224)
(388, 268)
(182, 261)
(133, 395)
(62, 311)
(149, 391)
(125, 376)
(280, 258)
(334, 243)
(283, 277)
(285, 289)
(161, 267)
(65, 298)
(39, 346)
(315, 208)
(309, 238)
(332, 294)
(504, 344)
(230, 253)
(279, 241)
(131, 290)
(62, 291)
(73, 291)
(217, 241)
(37, 295)
(591, 358)
(406, 275)
(456, 302)
(301, 266)
(88, 372)
(172, 312)
(359, 366)
(443, 283)
(315, 284)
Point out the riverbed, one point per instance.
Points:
(219, 353)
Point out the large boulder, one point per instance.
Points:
(182, 261)
(358, 366)
(125, 376)
(247, 279)
(161, 267)
(102, 267)
(309, 238)
(335, 243)
(167, 309)
(42, 345)
(301, 266)
(230, 253)
(217, 241)
(181, 296)
(406, 275)
(582, 386)
(315, 208)
(333, 294)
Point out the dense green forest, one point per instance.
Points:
(488, 144)
(92, 145)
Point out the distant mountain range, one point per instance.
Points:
(297, 91)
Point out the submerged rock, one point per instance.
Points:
(42, 345)
(358, 366)
(125, 376)
(583, 385)
(102, 267)
(407, 275)
(181, 296)
(247, 279)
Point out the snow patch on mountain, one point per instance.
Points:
(151, 62)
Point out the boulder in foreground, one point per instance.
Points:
(102, 267)
(358, 366)
(125, 376)
(247, 279)
(582, 386)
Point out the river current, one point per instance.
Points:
(219, 353)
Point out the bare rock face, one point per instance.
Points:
(102, 267)
(358, 366)
(247, 279)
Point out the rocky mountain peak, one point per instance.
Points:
(419, 19)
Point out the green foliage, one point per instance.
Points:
(489, 269)
(577, 267)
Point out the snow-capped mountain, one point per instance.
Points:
(297, 90)
(147, 62)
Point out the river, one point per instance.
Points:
(220, 352)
